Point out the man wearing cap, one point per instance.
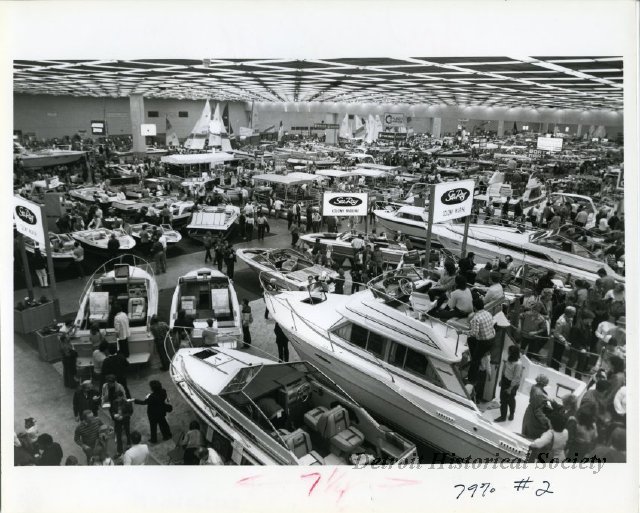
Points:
(561, 336)
(581, 337)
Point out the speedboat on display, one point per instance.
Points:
(262, 412)
(216, 220)
(409, 220)
(47, 157)
(153, 205)
(290, 268)
(393, 253)
(62, 246)
(406, 367)
(206, 294)
(93, 195)
(130, 287)
(181, 212)
(539, 247)
(172, 236)
(98, 239)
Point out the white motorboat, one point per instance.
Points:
(291, 269)
(216, 220)
(94, 195)
(262, 412)
(46, 158)
(539, 247)
(153, 205)
(131, 287)
(97, 239)
(172, 236)
(409, 220)
(393, 253)
(206, 294)
(557, 200)
(62, 246)
(181, 212)
(508, 189)
(405, 366)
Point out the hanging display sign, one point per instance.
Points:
(392, 136)
(344, 204)
(452, 200)
(325, 126)
(550, 143)
(28, 219)
(98, 128)
(394, 119)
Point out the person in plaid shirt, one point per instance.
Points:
(481, 335)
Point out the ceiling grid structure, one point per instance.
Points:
(587, 83)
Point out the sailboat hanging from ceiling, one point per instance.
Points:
(371, 129)
(200, 132)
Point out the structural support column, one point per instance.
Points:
(579, 131)
(500, 127)
(545, 128)
(136, 108)
(437, 127)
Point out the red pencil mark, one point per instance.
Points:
(248, 480)
(318, 477)
(397, 482)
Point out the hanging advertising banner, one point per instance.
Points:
(452, 200)
(550, 143)
(344, 204)
(28, 219)
(394, 119)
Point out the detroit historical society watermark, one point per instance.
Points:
(451, 461)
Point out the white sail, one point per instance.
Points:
(217, 131)
(358, 125)
(345, 129)
(371, 129)
(200, 131)
(378, 126)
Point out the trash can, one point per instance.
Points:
(48, 345)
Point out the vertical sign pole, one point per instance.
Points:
(366, 217)
(463, 252)
(432, 196)
(52, 276)
(25, 265)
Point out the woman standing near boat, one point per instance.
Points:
(535, 420)
(511, 378)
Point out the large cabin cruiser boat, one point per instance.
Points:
(131, 287)
(279, 413)
(62, 246)
(291, 269)
(540, 247)
(206, 294)
(409, 220)
(393, 252)
(406, 367)
(98, 239)
(216, 220)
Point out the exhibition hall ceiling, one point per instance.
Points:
(588, 83)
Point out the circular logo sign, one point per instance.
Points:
(26, 215)
(455, 196)
(345, 201)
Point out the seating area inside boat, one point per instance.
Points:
(109, 292)
(205, 296)
(304, 411)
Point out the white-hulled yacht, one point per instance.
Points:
(409, 220)
(403, 365)
(540, 247)
(115, 284)
(263, 412)
(205, 294)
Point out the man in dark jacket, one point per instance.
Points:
(84, 398)
(230, 261)
(113, 246)
(117, 365)
(580, 337)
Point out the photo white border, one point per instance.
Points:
(315, 29)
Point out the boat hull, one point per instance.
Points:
(415, 417)
(36, 161)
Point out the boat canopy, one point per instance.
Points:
(289, 179)
(334, 173)
(197, 158)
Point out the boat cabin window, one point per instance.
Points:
(371, 342)
(414, 362)
(412, 217)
